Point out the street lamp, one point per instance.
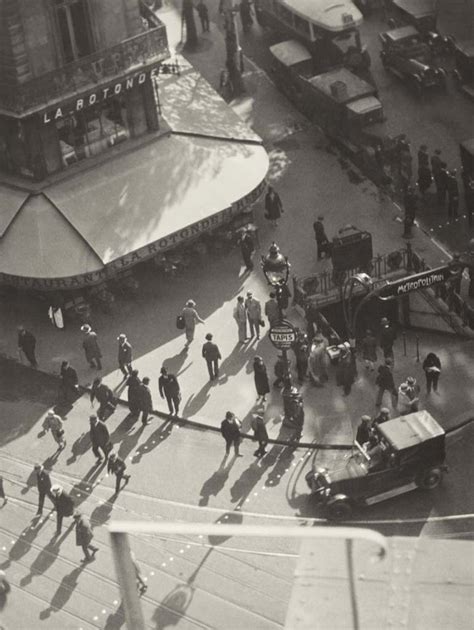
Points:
(234, 60)
(350, 317)
(277, 270)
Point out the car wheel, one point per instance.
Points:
(338, 510)
(430, 478)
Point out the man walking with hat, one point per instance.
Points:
(212, 355)
(322, 241)
(84, 536)
(124, 355)
(64, 506)
(91, 347)
(230, 430)
(43, 483)
(254, 314)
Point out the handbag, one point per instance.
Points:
(262, 323)
(180, 323)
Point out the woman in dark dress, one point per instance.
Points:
(432, 368)
(261, 378)
(133, 392)
(273, 206)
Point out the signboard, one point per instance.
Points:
(282, 335)
(422, 280)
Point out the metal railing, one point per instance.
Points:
(100, 67)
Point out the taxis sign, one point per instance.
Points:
(282, 335)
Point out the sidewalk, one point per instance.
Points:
(310, 180)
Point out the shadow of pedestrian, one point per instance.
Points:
(42, 562)
(82, 489)
(31, 481)
(80, 446)
(116, 619)
(63, 592)
(175, 363)
(129, 442)
(196, 401)
(122, 429)
(234, 362)
(282, 466)
(102, 512)
(23, 543)
(154, 440)
(216, 481)
(244, 485)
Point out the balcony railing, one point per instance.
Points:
(140, 51)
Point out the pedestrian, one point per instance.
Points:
(387, 338)
(442, 184)
(124, 355)
(301, 350)
(469, 198)
(2, 491)
(408, 396)
(212, 355)
(27, 345)
(345, 371)
(100, 438)
(261, 379)
(91, 347)
(425, 179)
(432, 368)
(64, 505)
(273, 206)
(281, 370)
(133, 393)
(43, 483)
(116, 466)
(382, 416)
(54, 423)
(318, 360)
(436, 165)
(453, 194)
(69, 384)
(322, 241)
(230, 430)
(247, 247)
(406, 168)
(385, 383)
(369, 350)
(364, 430)
(104, 396)
(84, 536)
(240, 316)
(260, 434)
(191, 318)
(272, 310)
(169, 389)
(423, 157)
(410, 202)
(145, 401)
(141, 585)
(203, 13)
(246, 15)
(254, 314)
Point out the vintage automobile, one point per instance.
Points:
(464, 71)
(404, 454)
(418, 13)
(407, 56)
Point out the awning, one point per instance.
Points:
(153, 195)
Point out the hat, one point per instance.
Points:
(366, 418)
(385, 411)
(56, 488)
(50, 412)
(229, 415)
(191, 303)
(411, 380)
(209, 336)
(145, 380)
(384, 320)
(403, 387)
(76, 515)
(37, 466)
(249, 293)
(121, 336)
(112, 455)
(86, 328)
(164, 370)
(93, 417)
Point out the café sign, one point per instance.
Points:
(422, 280)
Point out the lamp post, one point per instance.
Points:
(276, 269)
(350, 316)
(234, 56)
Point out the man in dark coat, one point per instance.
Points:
(43, 483)
(27, 345)
(91, 347)
(116, 466)
(247, 247)
(212, 355)
(124, 355)
(260, 434)
(363, 430)
(84, 536)
(169, 388)
(273, 206)
(203, 13)
(145, 400)
(69, 386)
(104, 396)
(64, 506)
(387, 338)
(436, 164)
(100, 438)
(441, 182)
(133, 393)
(453, 194)
(322, 241)
(385, 382)
(230, 430)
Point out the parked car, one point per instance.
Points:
(406, 55)
(464, 71)
(403, 454)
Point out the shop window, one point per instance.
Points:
(72, 19)
(15, 148)
(93, 130)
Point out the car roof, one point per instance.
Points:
(355, 86)
(400, 33)
(410, 430)
(417, 8)
(290, 52)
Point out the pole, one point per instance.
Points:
(233, 51)
(127, 580)
(279, 291)
(417, 349)
(404, 337)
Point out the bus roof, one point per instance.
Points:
(355, 86)
(330, 15)
(290, 53)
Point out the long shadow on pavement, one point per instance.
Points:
(101, 514)
(196, 401)
(216, 481)
(154, 440)
(23, 543)
(63, 593)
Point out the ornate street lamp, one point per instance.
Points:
(276, 269)
(365, 281)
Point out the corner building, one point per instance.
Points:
(85, 153)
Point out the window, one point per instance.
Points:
(92, 131)
(74, 28)
(16, 148)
